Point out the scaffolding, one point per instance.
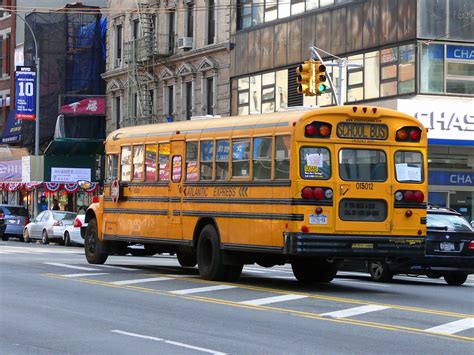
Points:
(141, 55)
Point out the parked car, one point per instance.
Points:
(72, 233)
(48, 226)
(14, 220)
(2, 227)
(449, 251)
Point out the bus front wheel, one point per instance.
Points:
(95, 250)
(210, 260)
(186, 259)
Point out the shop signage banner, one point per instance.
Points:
(460, 52)
(70, 174)
(449, 122)
(450, 178)
(89, 106)
(25, 90)
(10, 170)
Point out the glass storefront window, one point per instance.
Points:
(281, 87)
(255, 94)
(406, 69)
(271, 10)
(371, 75)
(432, 68)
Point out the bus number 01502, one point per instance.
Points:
(365, 186)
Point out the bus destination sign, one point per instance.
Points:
(362, 130)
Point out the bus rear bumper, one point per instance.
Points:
(355, 246)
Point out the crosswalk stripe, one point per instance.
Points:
(274, 299)
(202, 289)
(453, 327)
(354, 311)
(137, 281)
(73, 267)
(85, 274)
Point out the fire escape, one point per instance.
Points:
(141, 54)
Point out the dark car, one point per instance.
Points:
(15, 219)
(449, 251)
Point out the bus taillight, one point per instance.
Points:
(307, 193)
(410, 196)
(408, 134)
(419, 196)
(317, 130)
(317, 193)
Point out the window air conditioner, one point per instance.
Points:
(185, 42)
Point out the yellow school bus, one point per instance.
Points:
(308, 187)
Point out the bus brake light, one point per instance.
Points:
(418, 196)
(324, 130)
(310, 130)
(318, 193)
(307, 193)
(409, 196)
(415, 135)
(402, 135)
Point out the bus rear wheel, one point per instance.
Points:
(186, 259)
(313, 271)
(210, 260)
(95, 250)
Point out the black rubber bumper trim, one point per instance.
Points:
(307, 244)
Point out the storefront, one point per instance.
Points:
(450, 124)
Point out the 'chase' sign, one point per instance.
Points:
(460, 52)
(450, 178)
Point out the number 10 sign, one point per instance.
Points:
(25, 84)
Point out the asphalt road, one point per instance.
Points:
(53, 302)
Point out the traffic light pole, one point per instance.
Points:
(341, 64)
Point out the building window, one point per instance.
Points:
(268, 92)
(169, 100)
(210, 96)
(118, 45)
(171, 30)
(211, 22)
(117, 111)
(1, 56)
(190, 19)
(189, 99)
(355, 79)
(135, 29)
(406, 69)
(135, 104)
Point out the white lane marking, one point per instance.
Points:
(38, 250)
(274, 299)
(202, 289)
(168, 342)
(252, 271)
(267, 270)
(86, 274)
(138, 281)
(117, 267)
(354, 311)
(360, 283)
(73, 266)
(453, 327)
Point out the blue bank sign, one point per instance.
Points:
(460, 52)
(450, 178)
(25, 89)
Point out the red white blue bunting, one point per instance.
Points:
(94, 186)
(31, 185)
(71, 188)
(13, 186)
(52, 186)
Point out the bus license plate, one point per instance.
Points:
(318, 219)
(446, 246)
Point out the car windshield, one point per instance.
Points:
(60, 216)
(449, 222)
(15, 211)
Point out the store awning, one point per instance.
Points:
(12, 129)
(75, 146)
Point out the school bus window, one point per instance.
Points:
(282, 157)
(112, 167)
(176, 175)
(138, 162)
(409, 167)
(191, 161)
(240, 158)
(262, 158)
(207, 157)
(362, 165)
(164, 161)
(315, 163)
(125, 163)
(222, 159)
(150, 162)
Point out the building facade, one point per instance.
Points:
(166, 61)
(7, 52)
(414, 56)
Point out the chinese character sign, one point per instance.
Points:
(25, 88)
(89, 106)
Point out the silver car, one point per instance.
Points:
(72, 233)
(48, 225)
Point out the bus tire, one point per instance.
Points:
(210, 260)
(95, 250)
(455, 278)
(186, 259)
(313, 271)
(379, 271)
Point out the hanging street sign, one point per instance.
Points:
(25, 89)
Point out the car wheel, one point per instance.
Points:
(379, 271)
(44, 237)
(26, 236)
(67, 239)
(209, 258)
(95, 250)
(5, 237)
(186, 259)
(455, 278)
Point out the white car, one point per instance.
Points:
(72, 234)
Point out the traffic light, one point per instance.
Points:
(305, 78)
(320, 79)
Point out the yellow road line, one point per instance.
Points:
(390, 327)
